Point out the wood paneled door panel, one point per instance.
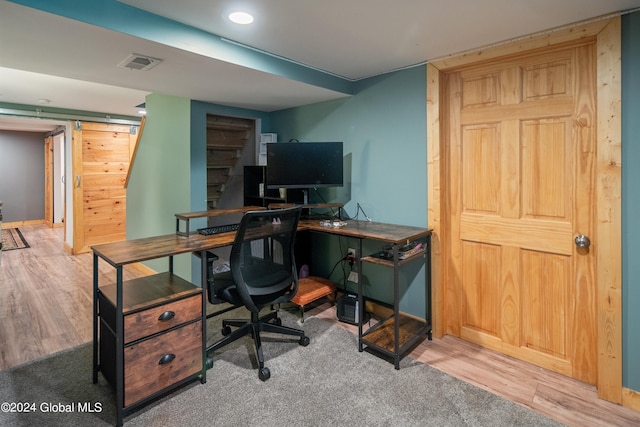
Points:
(101, 159)
(521, 153)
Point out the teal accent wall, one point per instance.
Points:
(383, 126)
(384, 133)
(198, 159)
(160, 180)
(630, 201)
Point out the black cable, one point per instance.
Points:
(350, 216)
(343, 259)
(363, 213)
(358, 210)
(344, 278)
(319, 194)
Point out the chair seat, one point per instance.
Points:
(312, 288)
(262, 273)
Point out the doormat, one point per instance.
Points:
(12, 238)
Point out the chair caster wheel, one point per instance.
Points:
(209, 363)
(264, 374)
(304, 341)
(226, 330)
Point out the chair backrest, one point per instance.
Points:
(262, 257)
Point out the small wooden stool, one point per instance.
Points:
(310, 289)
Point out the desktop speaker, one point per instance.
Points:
(347, 309)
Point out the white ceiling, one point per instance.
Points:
(74, 65)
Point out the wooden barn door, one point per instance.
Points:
(522, 138)
(101, 158)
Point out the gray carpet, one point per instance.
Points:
(328, 383)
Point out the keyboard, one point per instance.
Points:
(217, 229)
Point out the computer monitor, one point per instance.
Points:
(304, 165)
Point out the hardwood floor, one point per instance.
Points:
(46, 306)
(46, 297)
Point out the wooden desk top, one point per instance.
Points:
(137, 250)
(218, 212)
(389, 233)
(307, 206)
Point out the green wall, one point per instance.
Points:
(384, 133)
(382, 122)
(160, 179)
(169, 172)
(630, 201)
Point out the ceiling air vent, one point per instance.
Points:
(139, 62)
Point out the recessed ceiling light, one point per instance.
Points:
(242, 18)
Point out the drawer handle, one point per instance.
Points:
(167, 358)
(167, 315)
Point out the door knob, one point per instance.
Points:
(582, 241)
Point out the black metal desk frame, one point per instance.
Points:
(132, 251)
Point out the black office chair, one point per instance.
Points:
(263, 273)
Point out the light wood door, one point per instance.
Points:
(521, 161)
(101, 157)
(48, 181)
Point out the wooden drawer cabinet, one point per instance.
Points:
(148, 322)
(157, 363)
(162, 336)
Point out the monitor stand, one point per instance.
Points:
(305, 204)
(305, 199)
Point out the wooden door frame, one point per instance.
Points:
(77, 243)
(48, 181)
(608, 212)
